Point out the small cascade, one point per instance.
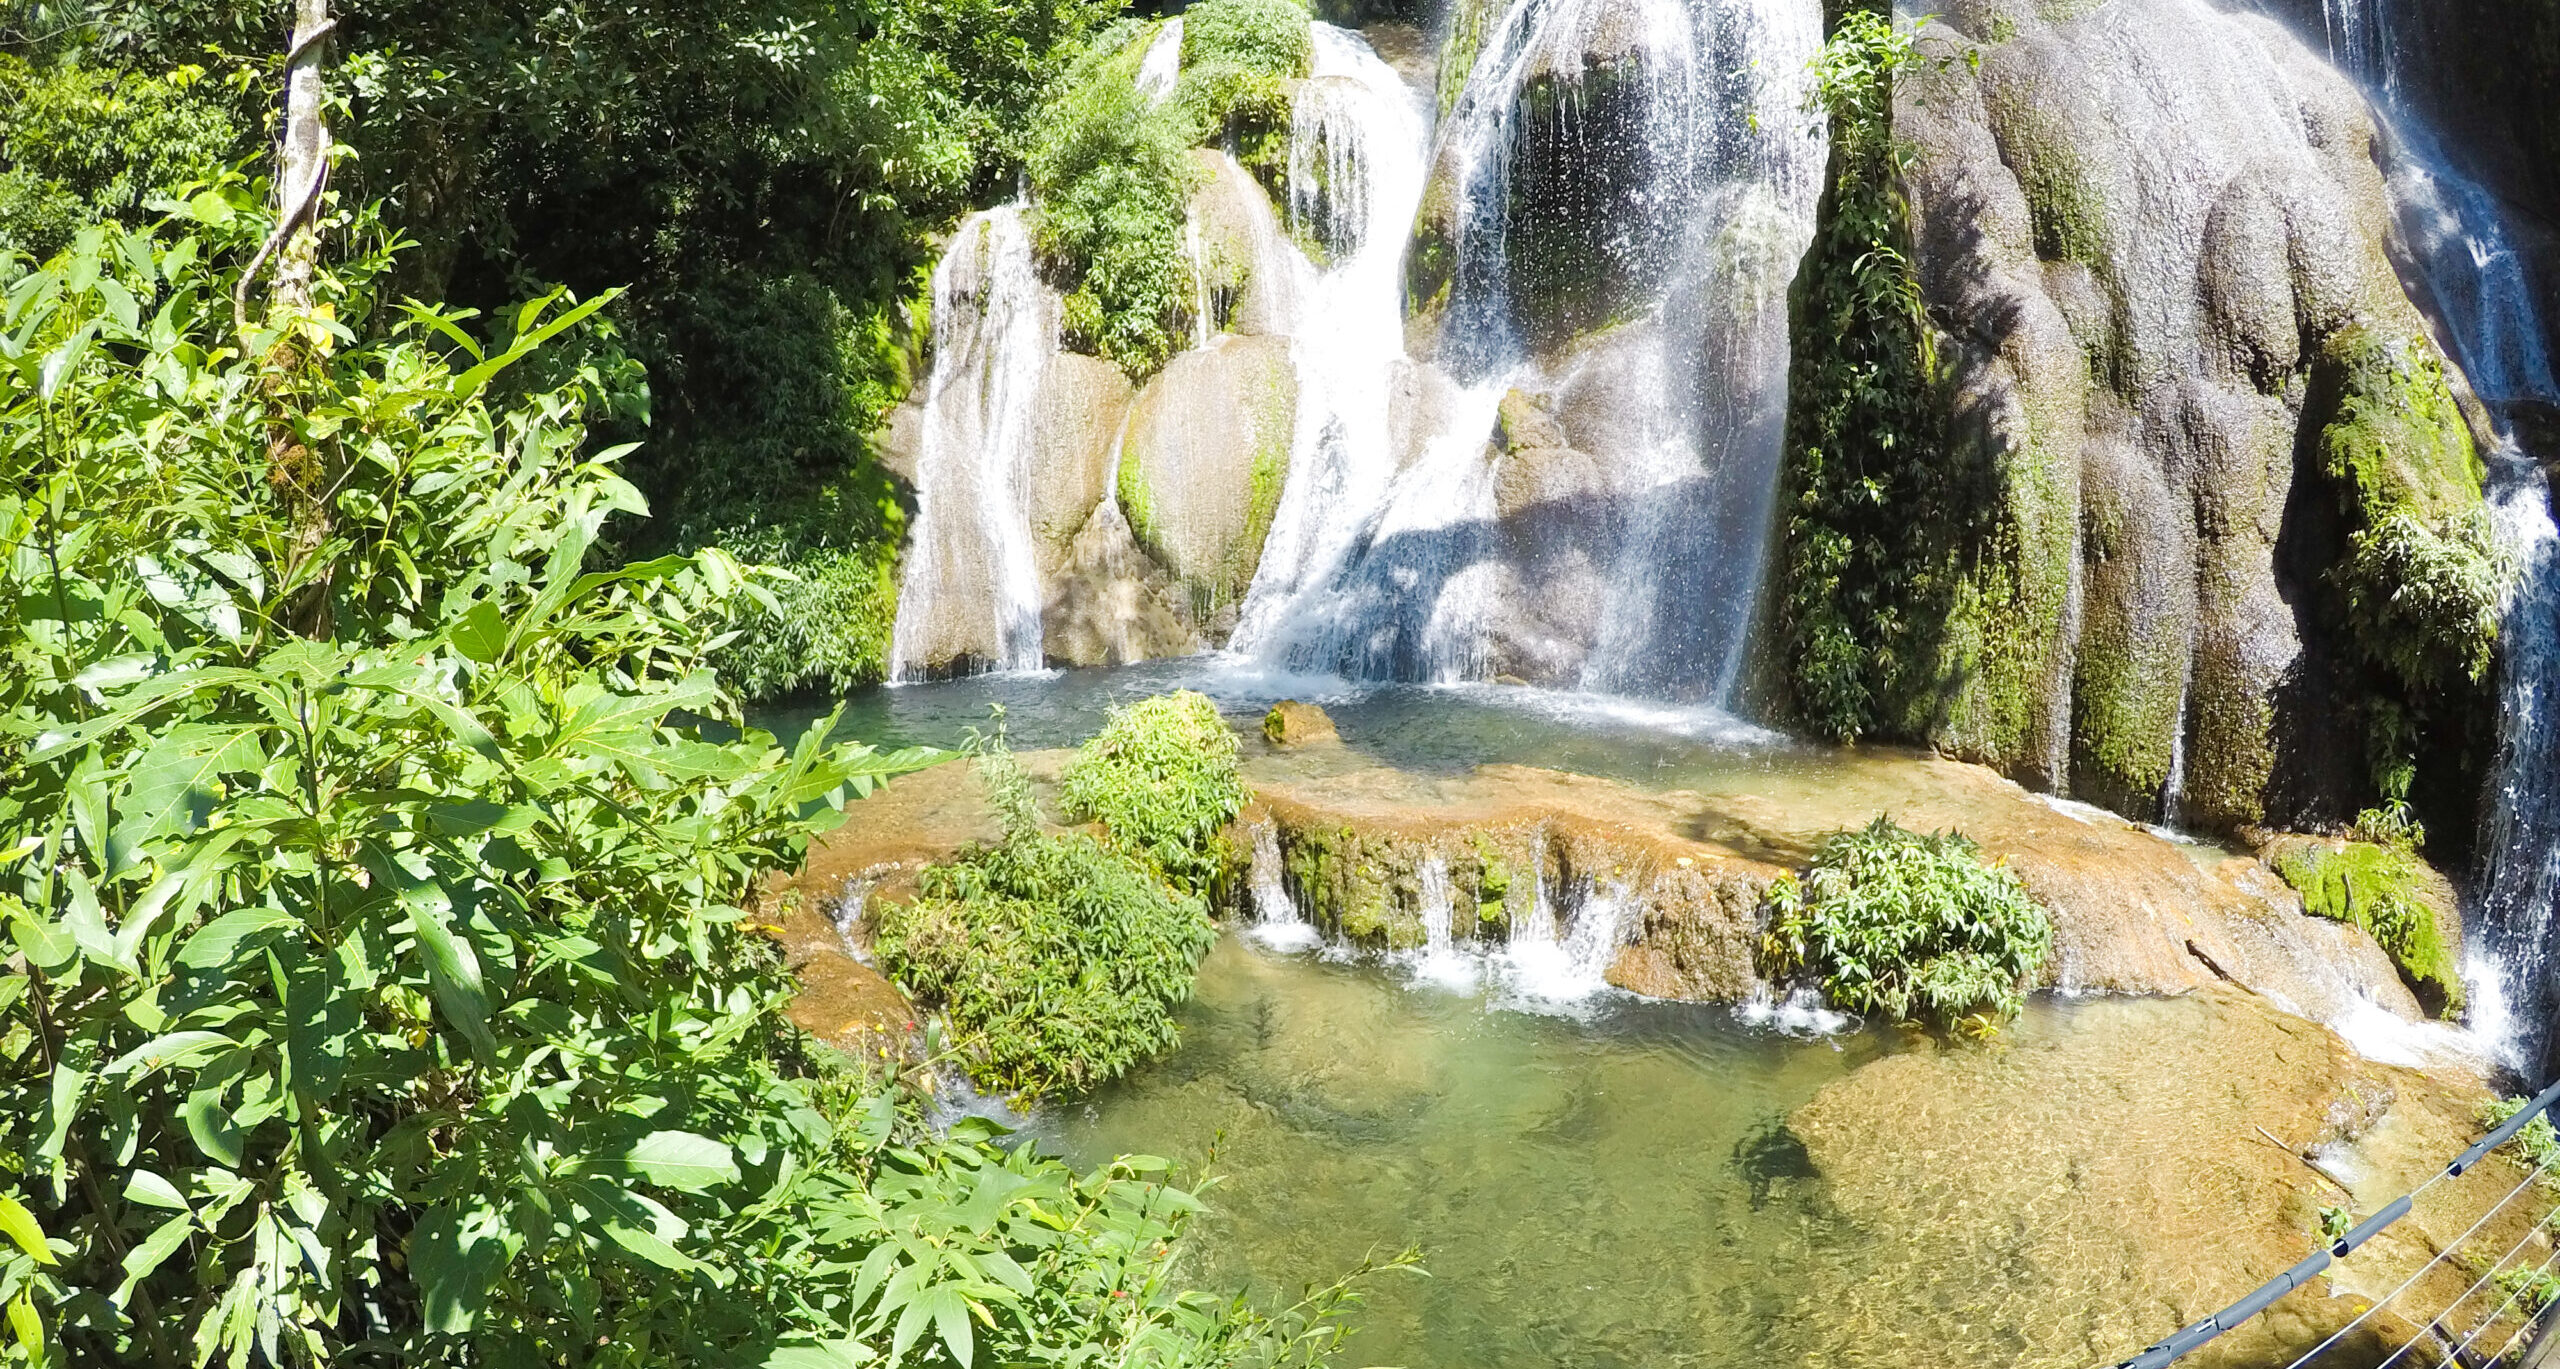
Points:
(1440, 962)
(1161, 68)
(971, 593)
(1658, 147)
(1277, 921)
(1545, 964)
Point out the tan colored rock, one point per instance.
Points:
(1246, 251)
(1291, 723)
(1107, 604)
(1201, 469)
(1083, 402)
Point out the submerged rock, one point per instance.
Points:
(2085, 1186)
(1291, 723)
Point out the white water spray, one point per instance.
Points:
(971, 594)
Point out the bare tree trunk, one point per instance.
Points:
(305, 478)
(302, 165)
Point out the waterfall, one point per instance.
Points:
(1277, 922)
(1440, 962)
(2522, 846)
(971, 592)
(1659, 146)
(1356, 170)
(1161, 68)
(2484, 297)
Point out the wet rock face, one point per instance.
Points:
(1202, 465)
(2143, 225)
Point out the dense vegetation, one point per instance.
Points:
(1878, 530)
(1915, 927)
(1057, 958)
(1113, 173)
(765, 179)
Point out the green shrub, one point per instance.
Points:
(1241, 60)
(1161, 778)
(828, 626)
(1113, 184)
(1056, 961)
(2383, 890)
(1915, 927)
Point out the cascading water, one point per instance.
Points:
(1161, 68)
(971, 592)
(1356, 176)
(1277, 922)
(2485, 301)
(1629, 185)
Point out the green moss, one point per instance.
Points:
(1138, 505)
(2419, 581)
(1492, 882)
(1462, 40)
(2382, 890)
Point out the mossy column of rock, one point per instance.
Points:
(2408, 909)
(2154, 237)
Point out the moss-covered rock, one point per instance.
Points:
(1202, 465)
(2408, 909)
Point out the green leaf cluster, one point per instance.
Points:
(1161, 778)
(1241, 62)
(1915, 927)
(1056, 960)
(1879, 527)
(380, 981)
(79, 143)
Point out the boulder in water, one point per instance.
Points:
(1201, 469)
(1247, 259)
(1291, 723)
(1108, 605)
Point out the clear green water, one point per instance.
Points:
(1605, 1190)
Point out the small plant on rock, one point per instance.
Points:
(1916, 927)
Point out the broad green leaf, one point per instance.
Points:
(647, 1245)
(834, 1354)
(155, 1249)
(683, 1161)
(151, 1190)
(177, 1050)
(219, 942)
(453, 967)
(481, 636)
(20, 1225)
(212, 1126)
(457, 1256)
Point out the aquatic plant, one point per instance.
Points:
(1161, 778)
(1915, 927)
(1055, 960)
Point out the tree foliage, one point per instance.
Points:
(1161, 778)
(389, 993)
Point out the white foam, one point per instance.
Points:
(1801, 1013)
(2386, 1038)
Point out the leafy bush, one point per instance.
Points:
(1056, 961)
(81, 143)
(1113, 185)
(2381, 888)
(1241, 60)
(385, 991)
(1161, 778)
(1914, 927)
(828, 627)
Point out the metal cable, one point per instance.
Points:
(2530, 1317)
(2436, 1322)
(2454, 1356)
(2341, 1334)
